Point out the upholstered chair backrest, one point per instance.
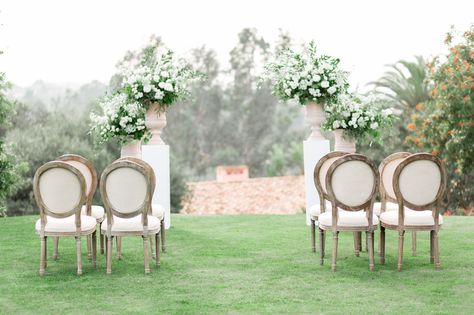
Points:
(86, 168)
(321, 169)
(126, 190)
(419, 181)
(386, 170)
(59, 189)
(145, 165)
(352, 182)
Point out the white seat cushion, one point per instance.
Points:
(96, 212)
(412, 218)
(348, 219)
(389, 206)
(158, 211)
(315, 210)
(133, 224)
(66, 225)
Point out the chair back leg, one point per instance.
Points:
(42, 266)
(335, 237)
(400, 249)
(157, 249)
(413, 243)
(370, 240)
(162, 233)
(78, 255)
(56, 247)
(145, 254)
(313, 236)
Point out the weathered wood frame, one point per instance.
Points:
(76, 211)
(323, 196)
(336, 204)
(144, 210)
(434, 206)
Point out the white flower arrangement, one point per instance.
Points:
(306, 77)
(121, 119)
(359, 117)
(157, 76)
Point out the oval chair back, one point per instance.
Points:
(419, 183)
(60, 192)
(88, 171)
(352, 182)
(320, 172)
(387, 169)
(145, 165)
(126, 192)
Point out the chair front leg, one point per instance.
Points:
(153, 247)
(145, 254)
(157, 249)
(321, 245)
(413, 243)
(118, 241)
(356, 243)
(436, 251)
(313, 236)
(370, 239)
(78, 255)
(89, 243)
(431, 247)
(401, 236)
(56, 247)
(109, 254)
(162, 233)
(42, 266)
(334, 249)
(101, 236)
(382, 245)
(45, 251)
(94, 249)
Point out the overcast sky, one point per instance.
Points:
(80, 41)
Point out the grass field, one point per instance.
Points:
(238, 264)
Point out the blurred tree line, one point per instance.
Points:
(227, 120)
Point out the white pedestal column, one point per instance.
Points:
(158, 156)
(313, 151)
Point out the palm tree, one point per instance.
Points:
(405, 83)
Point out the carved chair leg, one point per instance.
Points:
(157, 249)
(432, 247)
(78, 255)
(359, 239)
(145, 254)
(89, 243)
(400, 249)
(321, 245)
(162, 233)
(334, 250)
(94, 249)
(118, 242)
(45, 251)
(413, 243)
(42, 266)
(436, 251)
(313, 236)
(56, 247)
(370, 239)
(366, 244)
(153, 247)
(356, 243)
(382, 245)
(109, 254)
(101, 236)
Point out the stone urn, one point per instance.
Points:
(155, 120)
(342, 144)
(315, 116)
(132, 149)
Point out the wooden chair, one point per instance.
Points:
(419, 183)
(388, 200)
(90, 175)
(352, 182)
(157, 210)
(60, 192)
(126, 189)
(320, 171)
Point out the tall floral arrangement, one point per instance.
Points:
(360, 117)
(156, 75)
(306, 77)
(120, 118)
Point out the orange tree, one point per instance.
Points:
(444, 124)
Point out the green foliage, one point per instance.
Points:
(445, 123)
(285, 160)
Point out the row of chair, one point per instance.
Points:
(64, 191)
(411, 190)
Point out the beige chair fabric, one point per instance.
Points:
(97, 212)
(67, 225)
(133, 225)
(412, 218)
(420, 182)
(348, 219)
(60, 190)
(126, 190)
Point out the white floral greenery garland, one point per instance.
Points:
(120, 119)
(359, 117)
(306, 77)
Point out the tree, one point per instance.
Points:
(444, 124)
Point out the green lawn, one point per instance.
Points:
(238, 264)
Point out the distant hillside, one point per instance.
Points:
(69, 97)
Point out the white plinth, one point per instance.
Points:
(158, 156)
(313, 151)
